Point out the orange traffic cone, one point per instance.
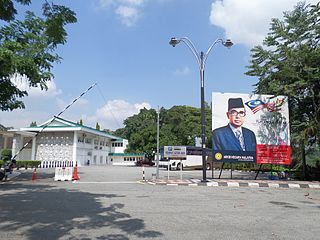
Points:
(75, 175)
(34, 175)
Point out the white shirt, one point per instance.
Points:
(234, 130)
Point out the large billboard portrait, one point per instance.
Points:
(250, 128)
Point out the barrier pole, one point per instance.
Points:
(143, 177)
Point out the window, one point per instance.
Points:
(88, 140)
(117, 144)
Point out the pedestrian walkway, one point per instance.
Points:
(236, 183)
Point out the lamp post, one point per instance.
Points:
(201, 60)
(158, 131)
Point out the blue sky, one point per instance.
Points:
(123, 45)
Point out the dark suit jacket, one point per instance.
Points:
(224, 139)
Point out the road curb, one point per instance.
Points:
(234, 184)
(11, 176)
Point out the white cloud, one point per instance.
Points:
(81, 103)
(40, 105)
(22, 118)
(21, 82)
(128, 15)
(246, 21)
(43, 105)
(182, 72)
(128, 10)
(113, 114)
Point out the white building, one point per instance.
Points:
(5, 140)
(62, 140)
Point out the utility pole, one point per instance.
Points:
(158, 113)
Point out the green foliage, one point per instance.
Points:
(24, 163)
(178, 126)
(81, 122)
(108, 131)
(27, 48)
(27, 163)
(33, 124)
(6, 154)
(288, 64)
(97, 126)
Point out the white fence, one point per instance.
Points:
(54, 164)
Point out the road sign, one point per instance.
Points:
(175, 152)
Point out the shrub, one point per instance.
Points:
(27, 163)
(6, 154)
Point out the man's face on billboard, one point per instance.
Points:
(236, 116)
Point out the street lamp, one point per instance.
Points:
(201, 60)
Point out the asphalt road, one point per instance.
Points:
(110, 203)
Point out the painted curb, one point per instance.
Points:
(235, 184)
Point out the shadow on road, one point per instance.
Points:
(35, 211)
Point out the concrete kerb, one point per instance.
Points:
(12, 175)
(235, 183)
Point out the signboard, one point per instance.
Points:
(175, 152)
(250, 128)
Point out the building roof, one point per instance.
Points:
(127, 154)
(60, 124)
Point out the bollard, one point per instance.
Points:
(154, 176)
(143, 177)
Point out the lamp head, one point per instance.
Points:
(174, 41)
(228, 43)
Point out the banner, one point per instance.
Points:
(250, 128)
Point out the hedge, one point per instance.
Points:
(24, 163)
(27, 163)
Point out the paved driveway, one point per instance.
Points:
(108, 203)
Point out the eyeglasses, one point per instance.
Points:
(236, 113)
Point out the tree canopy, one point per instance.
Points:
(27, 48)
(288, 63)
(179, 125)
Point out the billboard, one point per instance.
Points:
(250, 128)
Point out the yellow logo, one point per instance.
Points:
(218, 156)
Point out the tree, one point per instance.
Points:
(6, 154)
(81, 122)
(97, 126)
(27, 48)
(178, 126)
(288, 64)
(108, 131)
(33, 124)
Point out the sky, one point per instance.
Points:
(123, 46)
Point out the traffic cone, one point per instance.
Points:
(75, 175)
(34, 175)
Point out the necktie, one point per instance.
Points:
(240, 138)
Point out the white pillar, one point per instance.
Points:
(33, 149)
(75, 144)
(14, 145)
(5, 143)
